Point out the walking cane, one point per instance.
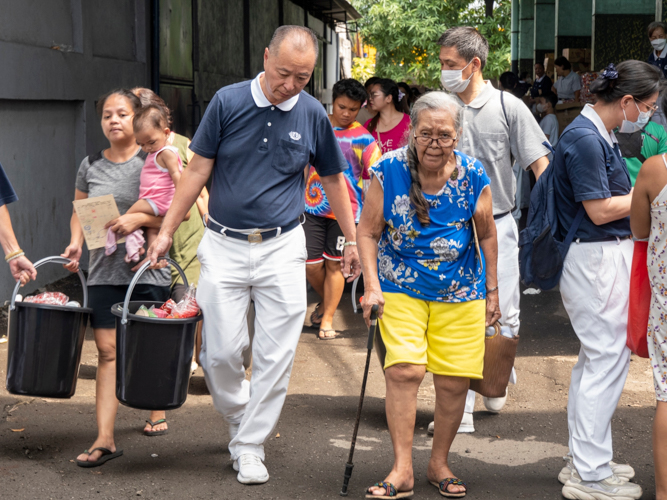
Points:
(371, 337)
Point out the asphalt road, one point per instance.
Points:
(516, 454)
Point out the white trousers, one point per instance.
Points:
(594, 286)
(509, 292)
(273, 275)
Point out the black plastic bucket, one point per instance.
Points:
(153, 355)
(45, 343)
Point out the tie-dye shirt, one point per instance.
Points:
(361, 151)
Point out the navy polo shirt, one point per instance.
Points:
(7, 193)
(582, 174)
(660, 61)
(260, 152)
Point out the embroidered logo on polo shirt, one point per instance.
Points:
(295, 136)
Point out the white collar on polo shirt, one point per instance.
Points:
(262, 102)
(589, 112)
(662, 54)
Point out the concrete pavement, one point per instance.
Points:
(516, 454)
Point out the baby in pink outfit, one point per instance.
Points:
(161, 173)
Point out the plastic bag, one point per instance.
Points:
(168, 306)
(186, 308)
(49, 298)
(142, 311)
(639, 301)
(156, 312)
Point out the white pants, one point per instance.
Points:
(509, 292)
(594, 286)
(273, 274)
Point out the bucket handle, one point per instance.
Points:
(134, 281)
(52, 260)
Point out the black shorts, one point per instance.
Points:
(324, 239)
(102, 297)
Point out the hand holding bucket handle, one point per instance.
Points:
(135, 280)
(52, 260)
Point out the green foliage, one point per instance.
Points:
(362, 69)
(405, 34)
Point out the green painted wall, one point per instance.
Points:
(574, 17)
(573, 25)
(633, 7)
(545, 24)
(526, 36)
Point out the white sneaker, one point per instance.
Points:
(494, 405)
(193, 367)
(466, 426)
(610, 488)
(251, 469)
(623, 471)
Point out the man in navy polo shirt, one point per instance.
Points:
(256, 139)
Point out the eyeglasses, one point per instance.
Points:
(652, 109)
(443, 141)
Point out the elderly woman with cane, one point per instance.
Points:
(427, 213)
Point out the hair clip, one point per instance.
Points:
(401, 95)
(610, 72)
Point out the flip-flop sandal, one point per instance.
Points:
(390, 491)
(106, 456)
(314, 315)
(331, 337)
(153, 424)
(444, 484)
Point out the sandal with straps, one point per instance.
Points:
(107, 455)
(152, 433)
(444, 484)
(315, 317)
(390, 491)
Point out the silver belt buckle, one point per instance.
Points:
(255, 237)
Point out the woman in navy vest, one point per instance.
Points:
(591, 177)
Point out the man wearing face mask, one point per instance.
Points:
(498, 130)
(657, 34)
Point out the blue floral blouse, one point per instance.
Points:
(438, 262)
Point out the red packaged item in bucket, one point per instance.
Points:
(186, 308)
(49, 298)
(168, 306)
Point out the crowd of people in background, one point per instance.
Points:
(435, 183)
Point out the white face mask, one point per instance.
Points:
(659, 44)
(541, 108)
(628, 127)
(452, 79)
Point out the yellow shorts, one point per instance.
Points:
(446, 337)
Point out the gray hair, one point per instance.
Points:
(300, 35)
(469, 43)
(655, 25)
(433, 101)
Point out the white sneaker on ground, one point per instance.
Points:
(467, 426)
(610, 488)
(623, 471)
(193, 367)
(494, 405)
(251, 469)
